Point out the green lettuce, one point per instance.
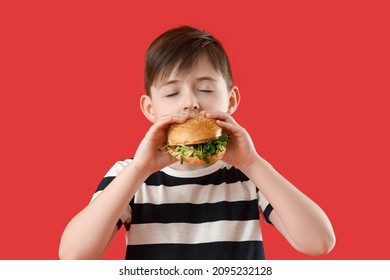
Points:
(202, 150)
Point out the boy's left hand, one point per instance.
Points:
(241, 151)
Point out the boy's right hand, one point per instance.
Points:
(148, 159)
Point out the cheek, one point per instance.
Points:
(215, 104)
(165, 107)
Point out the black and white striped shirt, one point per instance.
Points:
(211, 213)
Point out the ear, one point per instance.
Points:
(234, 100)
(147, 108)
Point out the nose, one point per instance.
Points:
(190, 102)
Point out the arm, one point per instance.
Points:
(299, 219)
(88, 234)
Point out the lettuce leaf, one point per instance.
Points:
(202, 151)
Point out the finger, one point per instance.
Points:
(170, 119)
(159, 129)
(225, 125)
(222, 116)
(224, 120)
(216, 115)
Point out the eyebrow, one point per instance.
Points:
(168, 83)
(206, 78)
(198, 79)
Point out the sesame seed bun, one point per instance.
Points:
(197, 129)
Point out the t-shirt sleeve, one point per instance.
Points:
(125, 217)
(265, 207)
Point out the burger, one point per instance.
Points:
(199, 140)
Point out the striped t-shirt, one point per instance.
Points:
(211, 213)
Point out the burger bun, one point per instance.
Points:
(197, 129)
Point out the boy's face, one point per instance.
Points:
(200, 88)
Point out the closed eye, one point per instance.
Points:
(205, 90)
(172, 94)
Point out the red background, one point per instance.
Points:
(314, 77)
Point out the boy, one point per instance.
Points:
(182, 211)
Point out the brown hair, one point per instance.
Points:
(182, 47)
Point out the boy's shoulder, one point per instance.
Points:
(118, 167)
